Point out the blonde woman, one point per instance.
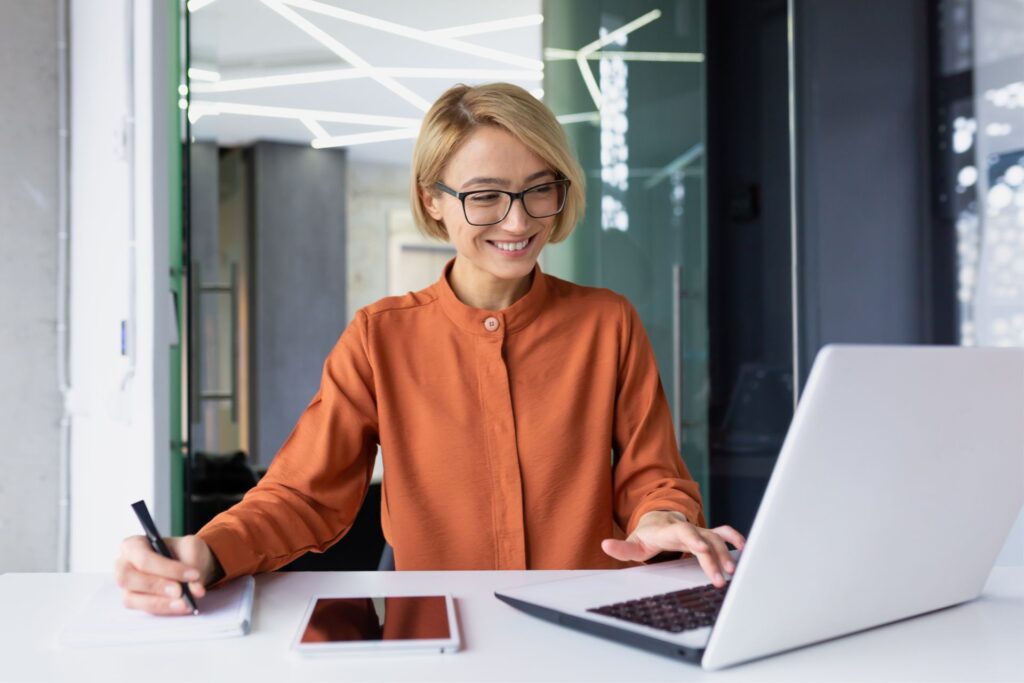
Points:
(521, 419)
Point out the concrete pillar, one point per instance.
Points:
(30, 407)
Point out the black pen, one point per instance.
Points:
(142, 512)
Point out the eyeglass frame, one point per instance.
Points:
(513, 196)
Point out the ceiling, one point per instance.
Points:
(389, 58)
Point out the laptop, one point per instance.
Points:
(897, 484)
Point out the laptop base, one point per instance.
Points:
(621, 636)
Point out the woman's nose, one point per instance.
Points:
(517, 220)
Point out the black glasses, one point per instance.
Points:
(487, 207)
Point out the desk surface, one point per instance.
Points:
(980, 640)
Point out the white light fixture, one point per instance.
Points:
(346, 54)
(205, 75)
(413, 34)
(332, 75)
(196, 5)
(584, 52)
(314, 127)
(678, 164)
(488, 26)
(257, 82)
(365, 138)
(581, 117)
(200, 108)
(555, 54)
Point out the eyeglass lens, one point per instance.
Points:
(486, 207)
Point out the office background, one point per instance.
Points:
(196, 199)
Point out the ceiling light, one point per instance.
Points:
(554, 54)
(365, 138)
(676, 165)
(256, 82)
(612, 36)
(331, 75)
(488, 26)
(206, 75)
(691, 57)
(346, 54)
(620, 32)
(471, 74)
(588, 80)
(582, 117)
(203, 108)
(314, 127)
(413, 34)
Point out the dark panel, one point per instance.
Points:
(749, 251)
(298, 282)
(862, 163)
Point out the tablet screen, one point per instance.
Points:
(337, 620)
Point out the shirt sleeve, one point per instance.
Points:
(310, 495)
(649, 472)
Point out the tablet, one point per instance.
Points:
(366, 625)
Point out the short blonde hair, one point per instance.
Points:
(460, 111)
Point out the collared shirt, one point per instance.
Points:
(512, 439)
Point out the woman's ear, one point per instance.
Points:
(431, 203)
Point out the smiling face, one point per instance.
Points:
(503, 253)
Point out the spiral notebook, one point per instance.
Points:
(104, 620)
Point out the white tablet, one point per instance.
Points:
(366, 625)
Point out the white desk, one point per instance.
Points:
(981, 640)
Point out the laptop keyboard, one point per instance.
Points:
(674, 612)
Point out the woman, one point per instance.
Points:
(520, 417)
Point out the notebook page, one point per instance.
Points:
(104, 620)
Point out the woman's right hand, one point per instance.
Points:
(152, 583)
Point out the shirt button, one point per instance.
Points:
(491, 324)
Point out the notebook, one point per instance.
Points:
(104, 620)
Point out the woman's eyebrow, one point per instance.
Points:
(487, 181)
(539, 174)
(504, 182)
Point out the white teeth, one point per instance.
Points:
(511, 246)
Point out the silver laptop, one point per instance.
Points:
(897, 485)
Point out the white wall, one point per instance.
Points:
(30, 403)
(374, 188)
(119, 435)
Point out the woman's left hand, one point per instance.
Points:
(662, 530)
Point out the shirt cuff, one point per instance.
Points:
(688, 509)
(235, 555)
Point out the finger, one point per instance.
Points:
(734, 537)
(186, 549)
(136, 550)
(627, 551)
(132, 580)
(721, 551)
(154, 604)
(709, 563)
(704, 552)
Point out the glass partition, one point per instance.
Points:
(979, 178)
(627, 79)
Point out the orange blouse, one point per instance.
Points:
(513, 439)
